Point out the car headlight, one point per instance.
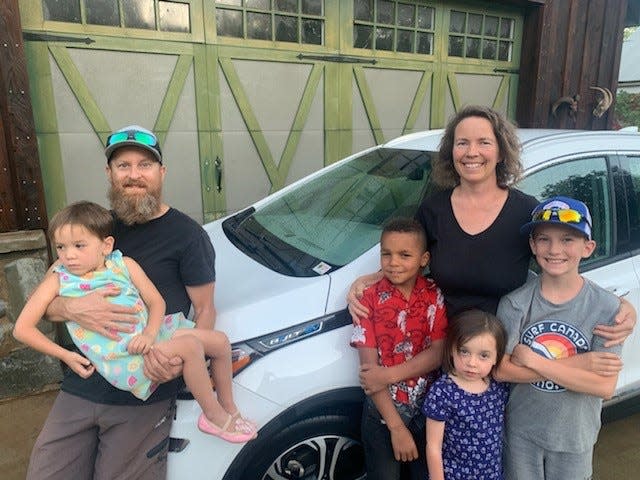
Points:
(245, 353)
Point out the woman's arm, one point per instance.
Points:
(435, 437)
(624, 323)
(357, 309)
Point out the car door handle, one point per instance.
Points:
(619, 292)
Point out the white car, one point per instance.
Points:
(284, 266)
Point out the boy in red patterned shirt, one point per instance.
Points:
(399, 345)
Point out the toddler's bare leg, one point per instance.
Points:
(216, 345)
(196, 376)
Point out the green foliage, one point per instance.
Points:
(629, 31)
(628, 109)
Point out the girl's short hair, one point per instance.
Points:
(467, 325)
(93, 217)
(509, 169)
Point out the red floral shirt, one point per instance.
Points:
(401, 328)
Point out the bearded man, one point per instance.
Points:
(114, 435)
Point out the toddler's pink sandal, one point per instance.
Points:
(250, 424)
(232, 431)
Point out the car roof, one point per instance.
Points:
(539, 143)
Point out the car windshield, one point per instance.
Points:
(331, 219)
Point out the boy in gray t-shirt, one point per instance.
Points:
(553, 414)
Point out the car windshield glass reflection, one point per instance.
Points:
(333, 218)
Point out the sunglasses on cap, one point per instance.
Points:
(563, 215)
(135, 135)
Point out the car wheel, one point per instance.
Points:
(319, 448)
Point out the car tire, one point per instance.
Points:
(323, 447)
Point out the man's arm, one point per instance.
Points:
(160, 368)
(204, 312)
(93, 312)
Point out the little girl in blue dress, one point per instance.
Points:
(465, 406)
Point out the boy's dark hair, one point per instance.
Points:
(406, 225)
(467, 325)
(93, 217)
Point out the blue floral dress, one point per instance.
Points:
(474, 425)
(110, 357)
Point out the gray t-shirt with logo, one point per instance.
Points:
(545, 413)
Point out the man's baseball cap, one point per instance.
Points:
(560, 211)
(133, 135)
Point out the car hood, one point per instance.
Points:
(252, 300)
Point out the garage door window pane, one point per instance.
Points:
(312, 7)
(384, 39)
(363, 10)
(258, 4)
(405, 41)
(62, 10)
(258, 26)
(103, 12)
(286, 29)
(286, 5)
(363, 36)
(312, 32)
(139, 14)
(229, 23)
(406, 15)
(174, 17)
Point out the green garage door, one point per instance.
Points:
(250, 95)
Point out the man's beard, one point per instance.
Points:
(132, 209)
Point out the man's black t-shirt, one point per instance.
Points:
(174, 251)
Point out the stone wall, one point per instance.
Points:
(24, 258)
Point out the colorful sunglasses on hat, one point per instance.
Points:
(563, 215)
(141, 137)
(135, 137)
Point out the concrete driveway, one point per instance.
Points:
(617, 453)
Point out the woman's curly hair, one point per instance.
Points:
(509, 168)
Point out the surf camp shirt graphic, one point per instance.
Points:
(554, 339)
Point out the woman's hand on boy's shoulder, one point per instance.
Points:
(624, 323)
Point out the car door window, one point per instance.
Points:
(584, 179)
(628, 197)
